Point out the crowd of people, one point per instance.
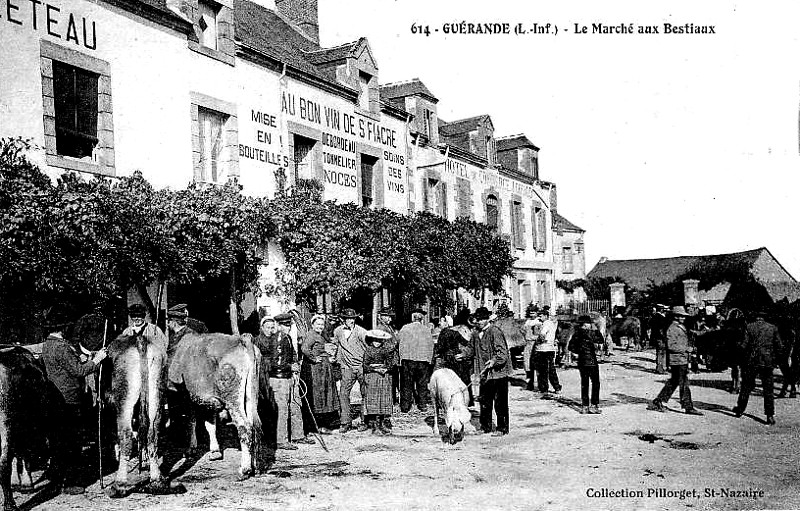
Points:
(308, 381)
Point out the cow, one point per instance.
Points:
(721, 349)
(451, 395)
(629, 327)
(30, 408)
(137, 379)
(220, 372)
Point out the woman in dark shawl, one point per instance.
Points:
(317, 373)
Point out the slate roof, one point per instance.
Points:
(562, 224)
(638, 273)
(154, 10)
(514, 142)
(337, 53)
(265, 31)
(461, 126)
(413, 87)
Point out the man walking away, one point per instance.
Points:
(762, 343)
(658, 326)
(416, 362)
(678, 350)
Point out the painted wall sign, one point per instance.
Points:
(51, 19)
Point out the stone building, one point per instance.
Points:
(210, 90)
(751, 277)
(461, 169)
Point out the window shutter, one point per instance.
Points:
(464, 197)
(534, 237)
(86, 99)
(443, 199)
(520, 227)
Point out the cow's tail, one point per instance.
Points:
(144, 401)
(251, 401)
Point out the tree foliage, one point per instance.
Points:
(343, 248)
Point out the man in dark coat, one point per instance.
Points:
(493, 364)
(584, 343)
(762, 343)
(67, 367)
(678, 350)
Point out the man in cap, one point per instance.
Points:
(67, 367)
(416, 362)
(762, 343)
(140, 326)
(678, 350)
(350, 340)
(493, 365)
(284, 369)
(178, 325)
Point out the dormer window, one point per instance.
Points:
(363, 82)
(490, 150)
(208, 24)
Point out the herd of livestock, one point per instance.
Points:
(216, 371)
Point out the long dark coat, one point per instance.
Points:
(317, 373)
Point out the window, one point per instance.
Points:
(491, 212)
(539, 229)
(208, 24)
(212, 143)
(215, 139)
(517, 230)
(436, 197)
(363, 82)
(566, 260)
(77, 110)
(75, 93)
(367, 176)
(578, 247)
(428, 123)
(303, 156)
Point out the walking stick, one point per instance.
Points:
(100, 413)
(314, 419)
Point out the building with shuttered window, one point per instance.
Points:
(461, 169)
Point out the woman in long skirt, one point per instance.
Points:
(317, 372)
(379, 358)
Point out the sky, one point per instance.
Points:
(660, 144)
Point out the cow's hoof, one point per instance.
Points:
(117, 491)
(215, 456)
(178, 489)
(245, 474)
(160, 487)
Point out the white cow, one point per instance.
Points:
(451, 395)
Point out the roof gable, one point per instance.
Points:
(514, 142)
(562, 224)
(464, 125)
(413, 87)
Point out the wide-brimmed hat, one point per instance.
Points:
(377, 336)
(348, 314)
(419, 310)
(284, 319)
(137, 310)
(386, 311)
(178, 311)
(679, 310)
(482, 313)
(267, 319)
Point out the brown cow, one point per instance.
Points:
(138, 371)
(30, 409)
(219, 372)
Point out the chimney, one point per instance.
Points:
(303, 14)
(553, 199)
(602, 260)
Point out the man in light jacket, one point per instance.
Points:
(416, 362)
(678, 350)
(546, 348)
(493, 365)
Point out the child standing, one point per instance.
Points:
(379, 358)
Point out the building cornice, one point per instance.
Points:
(154, 14)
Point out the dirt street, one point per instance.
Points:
(553, 458)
